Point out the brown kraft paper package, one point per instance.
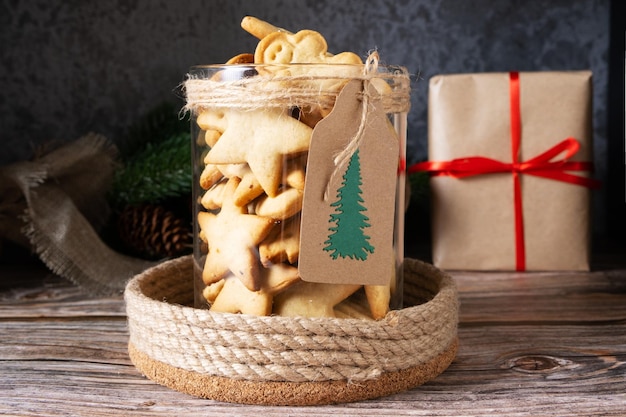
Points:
(474, 221)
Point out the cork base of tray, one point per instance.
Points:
(289, 393)
(289, 361)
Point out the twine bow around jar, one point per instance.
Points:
(255, 86)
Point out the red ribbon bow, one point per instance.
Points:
(542, 165)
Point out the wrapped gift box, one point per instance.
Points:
(509, 157)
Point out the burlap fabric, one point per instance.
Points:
(55, 205)
(288, 361)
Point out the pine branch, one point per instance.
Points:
(158, 172)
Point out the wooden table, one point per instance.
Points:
(531, 344)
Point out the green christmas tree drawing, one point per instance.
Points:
(347, 239)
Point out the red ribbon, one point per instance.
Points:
(542, 165)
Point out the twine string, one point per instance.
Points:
(283, 86)
(343, 157)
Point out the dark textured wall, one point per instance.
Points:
(69, 67)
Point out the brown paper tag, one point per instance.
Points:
(347, 237)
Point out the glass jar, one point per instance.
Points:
(253, 127)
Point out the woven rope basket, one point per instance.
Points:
(288, 361)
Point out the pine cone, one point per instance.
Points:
(153, 232)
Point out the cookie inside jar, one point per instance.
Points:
(291, 135)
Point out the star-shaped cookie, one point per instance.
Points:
(231, 296)
(282, 244)
(263, 138)
(311, 299)
(232, 236)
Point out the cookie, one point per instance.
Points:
(282, 244)
(259, 28)
(309, 47)
(309, 299)
(213, 198)
(210, 292)
(354, 307)
(234, 297)
(211, 136)
(232, 236)
(245, 58)
(210, 175)
(295, 175)
(232, 170)
(305, 46)
(250, 188)
(378, 297)
(286, 204)
(261, 138)
(212, 120)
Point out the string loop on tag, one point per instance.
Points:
(343, 157)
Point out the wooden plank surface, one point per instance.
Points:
(530, 344)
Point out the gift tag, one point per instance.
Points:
(350, 191)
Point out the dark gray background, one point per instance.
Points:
(70, 67)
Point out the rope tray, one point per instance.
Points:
(288, 361)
